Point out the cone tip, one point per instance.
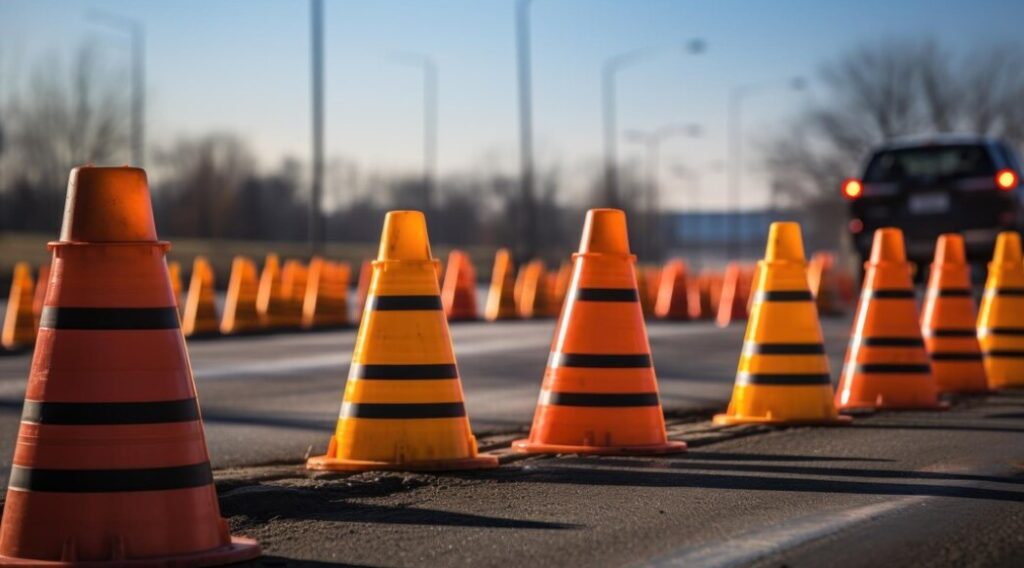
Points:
(1008, 249)
(950, 249)
(404, 237)
(785, 242)
(604, 231)
(107, 204)
(888, 246)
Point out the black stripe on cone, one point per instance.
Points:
(110, 413)
(403, 303)
(111, 480)
(403, 372)
(588, 361)
(403, 411)
(599, 399)
(109, 318)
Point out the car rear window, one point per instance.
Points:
(929, 163)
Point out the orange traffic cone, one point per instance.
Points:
(111, 465)
(19, 321)
(174, 271)
(673, 297)
(600, 393)
(276, 309)
(886, 364)
(240, 313)
(698, 297)
(293, 289)
(948, 318)
(561, 287)
(1001, 318)
(783, 374)
(362, 288)
(653, 285)
(501, 303)
(403, 407)
(325, 299)
(42, 283)
(714, 282)
(533, 299)
(733, 304)
(200, 316)
(643, 290)
(458, 295)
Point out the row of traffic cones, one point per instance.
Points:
(111, 429)
(297, 296)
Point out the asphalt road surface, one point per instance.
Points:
(914, 489)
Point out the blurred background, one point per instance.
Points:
(294, 125)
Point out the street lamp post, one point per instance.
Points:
(609, 74)
(528, 205)
(136, 32)
(649, 241)
(316, 229)
(316, 217)
(737, 95)
(430, 102)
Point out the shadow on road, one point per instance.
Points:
(319, 503)
(279, 561)
(220, 416)
(947, 427)
(559, 474)
(726, 456)
(691, 462)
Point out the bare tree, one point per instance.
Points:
(198, 182)
(61, 116)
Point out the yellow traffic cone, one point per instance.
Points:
(240, 313)
(1001, 318)
(19, 321)
(293, 288)
(501, 302)
(174, 271)
(403, 407)
(534, 295)
(783, 375)
(274, 307)
(200, 315)
(326, 300)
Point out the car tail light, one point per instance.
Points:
(1006, 179)
(852, 189)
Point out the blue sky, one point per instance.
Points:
(243, 67)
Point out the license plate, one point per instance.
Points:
(928, 203)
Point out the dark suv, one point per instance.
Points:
(962, 184)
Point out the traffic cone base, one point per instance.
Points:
(783, 373)
(240, 549)
(403, 406)
(329, 463)
(781, 405)
(600, 394)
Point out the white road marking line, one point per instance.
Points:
(747, 548)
